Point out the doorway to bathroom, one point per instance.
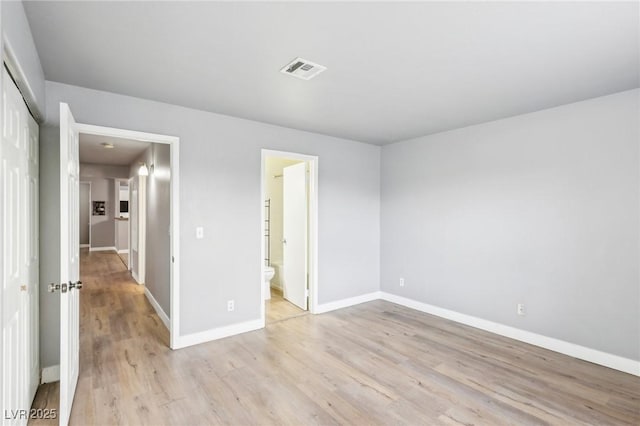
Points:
(289, 234)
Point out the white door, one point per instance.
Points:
(69, 262)
(294, 231)
(14, 299)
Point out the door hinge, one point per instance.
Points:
(55, 287)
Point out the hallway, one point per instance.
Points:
(118, 331)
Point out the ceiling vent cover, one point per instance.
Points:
(303, 69)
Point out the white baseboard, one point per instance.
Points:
(84, 245)
(102, 249)
(345, 303)
(217, 333)
(125, 251)
(163, 316)
(581, 352)
(135, 276)
(50, 374)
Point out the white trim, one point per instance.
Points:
(152, 300)
(20, 77)
(129, 182)
(312, 160)
(135, 277)
(125, 251)
(50, 374)
(345, 303)
(175, 242)
(102, 249)
(126, 134)
(174, 259)
(84, 245)
(218, 333)
(142, 228)
(581, 352)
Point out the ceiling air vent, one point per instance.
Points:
(303, 69)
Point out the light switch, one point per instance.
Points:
(199, 232)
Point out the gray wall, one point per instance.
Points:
(102, 178)
(541, 209)
(220, 190)
(158, 243)
(85, 213)
(102, 227)
(17, 34)
(49, 245)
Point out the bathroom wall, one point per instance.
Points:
(273, 191)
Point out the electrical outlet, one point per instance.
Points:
(230, 306)
(401, 282)
(520, 308)
(199, 232)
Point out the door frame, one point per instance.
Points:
(84, 182)
(129, 182)
(312, 160)
(174, 257)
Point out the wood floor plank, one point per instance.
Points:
(376, 363)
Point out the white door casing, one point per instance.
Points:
(32, 255)
(294, 231)
(129, 236)
(69, 262)
(137, 228)
(142, 228)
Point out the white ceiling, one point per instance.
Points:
(124, 153)
(395, 70)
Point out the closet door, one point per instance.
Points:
(16, 304)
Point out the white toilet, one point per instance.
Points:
(269, 272)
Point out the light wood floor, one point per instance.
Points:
(279, 309)
(375, 363)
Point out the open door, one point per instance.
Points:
(294, 230)
(69, 262)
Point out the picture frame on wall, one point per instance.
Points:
(99, 208)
